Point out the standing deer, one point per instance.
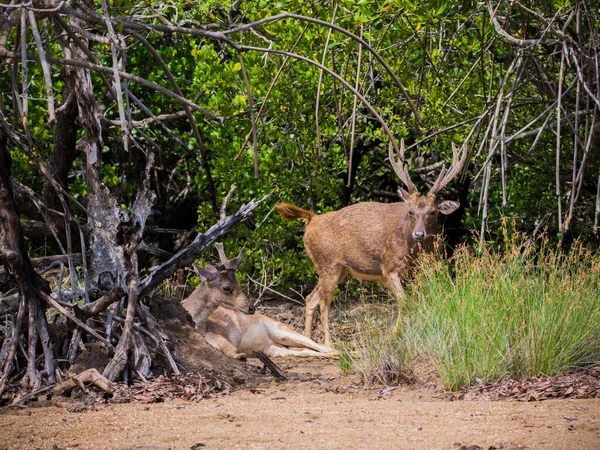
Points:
(372, 241)
(227, 318)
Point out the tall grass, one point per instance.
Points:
(377, 355)
(371, 347)
(519, 312)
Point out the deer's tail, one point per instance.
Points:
(289, 212)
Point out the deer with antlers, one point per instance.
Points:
(227, 318)
(372, 241)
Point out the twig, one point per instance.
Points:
(45, 67)
(122, 74)
(353, 126)
(365, 44)
(74, 319)
(510, 38)
(339, 78)
(252, 116)
(275, 78)
(318, 99)
(273, 290)
(269, 364)
(223, 214)
(31, 395)
(557, 168)
(25, 83)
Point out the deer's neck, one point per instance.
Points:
(201, 307)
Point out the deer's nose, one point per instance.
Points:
(419, 235)
(251, 309)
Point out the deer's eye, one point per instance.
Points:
(227, 289)
(410, 213)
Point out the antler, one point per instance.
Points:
(229, 264)
(445, 177)
(401, 168)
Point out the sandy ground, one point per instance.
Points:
(317, 408)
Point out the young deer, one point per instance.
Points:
(227, 318)
(372, 241)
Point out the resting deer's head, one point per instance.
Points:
(225, 289)
(422, 210)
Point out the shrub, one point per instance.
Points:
(516, 313)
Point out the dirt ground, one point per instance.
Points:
(317, 407)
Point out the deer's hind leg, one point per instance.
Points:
(284, 336)
(322, 297)
(275, 350)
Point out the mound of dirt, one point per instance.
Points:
(188, 347)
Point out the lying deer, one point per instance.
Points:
(372, 241)
(227, 319)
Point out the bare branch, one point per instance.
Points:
(319, 83)
(275, 78)
(511, 38)
(335, 75)
(126, 75)
(45, 66)
(252, 117)
(224, 204)
(353, 126)
(187, 256)
(364, 43)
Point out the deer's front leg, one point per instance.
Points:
(395, 285)
(221, 343)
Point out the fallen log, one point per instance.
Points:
(90, 376)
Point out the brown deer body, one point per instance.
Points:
(226, 317)
(371, 241)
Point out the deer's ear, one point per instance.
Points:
(448, 207)
(209, 273)
(404, 195)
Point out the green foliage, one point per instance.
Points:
(516, 313)
(433, 47)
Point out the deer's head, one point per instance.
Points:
(225, 289)
(422, 210)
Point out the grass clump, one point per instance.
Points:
(516, 313)
(375, 351)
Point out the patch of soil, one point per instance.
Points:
(94, 356)
(316, 408)
(227, 403)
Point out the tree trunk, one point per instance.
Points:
(64, 152)
(17, 264)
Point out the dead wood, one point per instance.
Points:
(9, 303)
(74, 319)
(154, 327)
(132, 234)
(90, 376)
(187, 256)
(269, 364)
(94, 308)
(30, 285)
